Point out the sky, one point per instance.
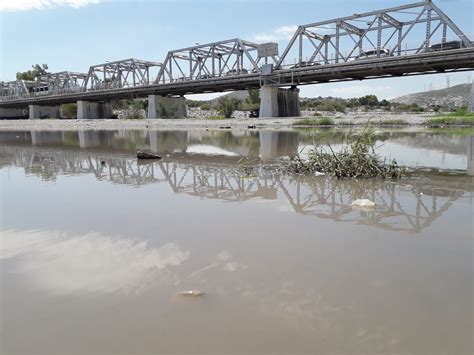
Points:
(74, 34)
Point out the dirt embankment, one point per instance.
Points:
(189, 123)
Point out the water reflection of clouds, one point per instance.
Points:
(93, 263)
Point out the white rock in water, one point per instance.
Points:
(363, 203)
(318, 173)
(193, 293)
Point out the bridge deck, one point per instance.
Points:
(426, 63)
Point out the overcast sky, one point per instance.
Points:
(74, 34)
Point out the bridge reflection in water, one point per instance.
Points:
(410, 205)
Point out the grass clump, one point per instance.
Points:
(356, 159)
(319, 121)
(390, 122)
(215, 118)
(461, 117)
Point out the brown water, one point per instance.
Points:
(95, 248)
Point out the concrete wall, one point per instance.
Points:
(87, 110)
(166, 107)
(289, 102)
(269, 101)
(14, 112)
(37, 111)
(278, 102)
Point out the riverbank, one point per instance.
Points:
(392, 120)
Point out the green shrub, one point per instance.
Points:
(69, 110)
(462, 120)
(227, 105)
(321, 121)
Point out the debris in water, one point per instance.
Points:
(318, 173)
(144, 155)
(363, 203)
(251, 126)
(225, 127)
(191, 293)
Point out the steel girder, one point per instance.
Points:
(16, 89)
(59, 83)
(405, 31)
(120, 74)
(402, 30)
(211, 60)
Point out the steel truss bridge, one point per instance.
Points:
(406, 40)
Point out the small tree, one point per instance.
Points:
(253, 102)
(38, 70)
(369, 100)
(165, 111)
(227, 105)
(69, 110)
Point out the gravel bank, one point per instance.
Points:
(107, 124)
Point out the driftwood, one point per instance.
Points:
(145, 155)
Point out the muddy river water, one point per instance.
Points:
(96, 247)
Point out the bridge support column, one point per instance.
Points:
(269, 101)
(37, 111)
(13, 112)
(289, 102)
(278, 102)
(87, 110)
(471, 98)
(166, 107)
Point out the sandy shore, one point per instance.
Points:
(187, 123)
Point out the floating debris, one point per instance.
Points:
(144, 155)
(251, 126)
(363, 203)
(225, 127)
(191, 293)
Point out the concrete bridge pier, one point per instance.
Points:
(88, 110)
(7, 112)
(279, 102)
(166, 107)
(38, 111)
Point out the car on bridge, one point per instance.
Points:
(304, 64)
(446, 46)
(237, 72)
(372, 54)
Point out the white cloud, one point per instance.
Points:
(282, 33)
(23, 5)
(92, 263)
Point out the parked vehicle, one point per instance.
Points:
(237, 72)
(304, 64)
(446, 46)
(372, 54)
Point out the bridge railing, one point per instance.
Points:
(347, 38)
(215, 60)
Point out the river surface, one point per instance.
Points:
(95, 247)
